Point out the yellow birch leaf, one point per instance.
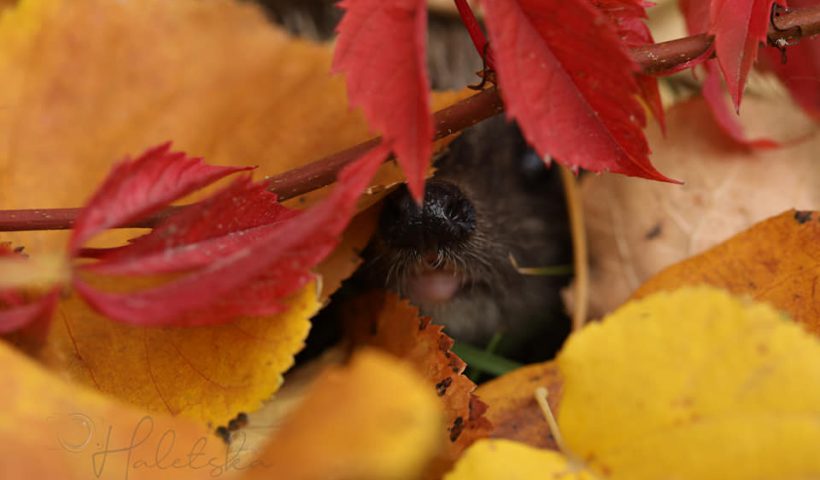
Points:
(206, 373)
(693, 384)
(373, 419)
(500, 458)
(52, 429)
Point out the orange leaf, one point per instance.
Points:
(373, 419)
(775, 261)
(383, 320)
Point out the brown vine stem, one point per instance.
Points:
(655, 59)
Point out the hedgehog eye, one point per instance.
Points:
(532, 169)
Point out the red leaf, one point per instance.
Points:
(569, 81)
(715, 97)
(381, 51)
(633, 31)
(696, 15)
(199, 234)
(31, 317)
(137, 188)
(739, 26)
(250, 280)
(801, 72)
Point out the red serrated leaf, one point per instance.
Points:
(739, 26)
(199, 234)
(801, 72)
(715, 96)
(381, 50)
(250, 280)
(629, 21)
(137, 188)
(569, 81)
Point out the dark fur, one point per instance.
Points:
(520, 212)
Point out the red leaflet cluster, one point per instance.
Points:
(240, 250)
(739, 27)
(563, 66)
(236, 253)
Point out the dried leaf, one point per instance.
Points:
(635, 229)
(382, 320)
(513, 411)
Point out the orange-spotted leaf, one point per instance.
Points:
(568, 79)
(381, 49)
(514, 413)
(774, 261)
(383, 320)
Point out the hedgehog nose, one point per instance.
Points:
(445, 219)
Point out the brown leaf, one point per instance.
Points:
(776, 261)
(637, 228)
(513, 411)
(385, 321)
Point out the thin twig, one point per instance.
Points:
(653, 59)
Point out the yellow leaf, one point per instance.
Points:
(496, 459)
(53, 429)
(694, 384)
(206, 373)
(374, 419)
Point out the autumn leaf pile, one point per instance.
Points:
(125, 349)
